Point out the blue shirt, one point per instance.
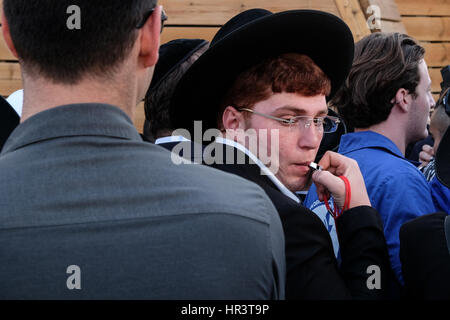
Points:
(396, 188)
(441, 195)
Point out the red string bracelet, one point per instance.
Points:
(348, 195)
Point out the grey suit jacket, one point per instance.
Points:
(90, 211)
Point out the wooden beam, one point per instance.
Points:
(392, 26)
(171, 33)
(351, 12)
(428, 28)
(424, 8)
(214, 12)
(437, 53)
(436, 79)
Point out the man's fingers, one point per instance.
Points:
(425, 156)
(427, 148)
(327, 181)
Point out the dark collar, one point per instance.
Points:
(90, 119)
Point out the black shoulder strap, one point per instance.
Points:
(447, 231)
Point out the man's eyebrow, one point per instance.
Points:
(298, 110)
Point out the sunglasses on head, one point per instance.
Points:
(148, 14)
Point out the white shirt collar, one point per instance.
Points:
(170, 139)
(16, 101)
(261, 165)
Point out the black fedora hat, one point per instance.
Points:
(443, 160)
(249, 38)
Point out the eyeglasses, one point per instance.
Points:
(148, 14)
(327, 124)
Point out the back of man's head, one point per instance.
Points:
(383, 64)
(49, 46)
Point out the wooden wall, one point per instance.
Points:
(427, 20)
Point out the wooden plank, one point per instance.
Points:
(424, 8)
(428, 28)
(388, 9)
(392, 26)
(10, 71)
(9, 86)
(139, 117)
(10, 78)
(351, 12)
(214, 12)
(171, 33)
(436, 79)
(437, 53)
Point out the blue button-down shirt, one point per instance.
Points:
(441, 195)
(396, 188)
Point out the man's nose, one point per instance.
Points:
(310, 137)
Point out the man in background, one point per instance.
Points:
(386, 99)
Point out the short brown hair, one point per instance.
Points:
(289, 72)
(48, 48)
(383, 64)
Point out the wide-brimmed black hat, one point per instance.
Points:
(249, 38)
(443, 160)
(171, 55)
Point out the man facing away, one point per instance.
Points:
(386, 99)
(89, 210)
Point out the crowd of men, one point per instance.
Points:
(271, 166)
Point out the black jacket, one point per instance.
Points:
(9, 120)
(425, 257)
(312, 269)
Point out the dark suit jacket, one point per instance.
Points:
(312, 269)
(189, 150)
(79, 187)
(425, 257)
(9, 120)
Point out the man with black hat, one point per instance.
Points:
(265, 79)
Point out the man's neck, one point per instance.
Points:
(41, 95)
(394, 133)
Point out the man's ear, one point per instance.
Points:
(7, 35)
(149, 38)
(402, 100)
(232, 119)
